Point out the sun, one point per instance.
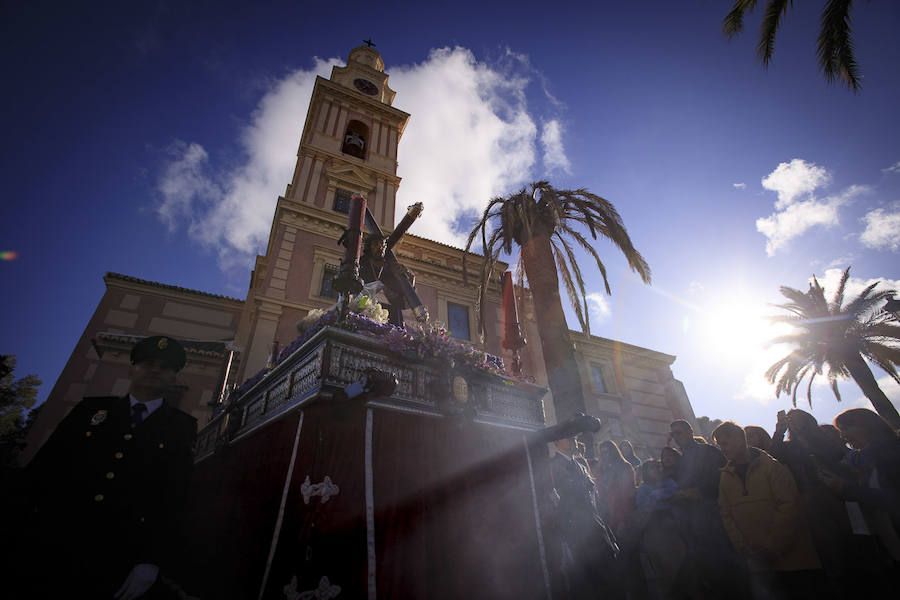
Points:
(737, 329)
(734, 333)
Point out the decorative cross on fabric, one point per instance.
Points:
(325, 490)
(138, 413)
(369, 43)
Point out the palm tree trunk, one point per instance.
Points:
(556, 345)
(863, 377)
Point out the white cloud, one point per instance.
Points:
(739, 186)
(855, 285)
(794, 179)
(599, 306)
(471, 137)
(797, 209)
(230, 210)
(755, 386)
(882, 230)
(894, 168)
(842, 261)
(554, 154)
(781, 227)
(184, 181)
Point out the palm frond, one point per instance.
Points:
(541, 209)
(809, 388)
(771, 20)
(795, 319)
(734, 20)
(816, 295)
(590, 250)
(788, 377)
(867, 301)
(480, 227)
(800, 375)
(563, 270)
(835, 390)
(838, 299)
(481, 296)
(609, 224)
(885, 356)
(576, 270)
(887, 330)
(487, 269)
(772, 372)
(800, 300)
(834, 46)
(790, 338)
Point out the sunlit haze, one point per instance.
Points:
(154, 141)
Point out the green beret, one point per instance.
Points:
(159, 347)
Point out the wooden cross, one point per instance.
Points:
(369, 42)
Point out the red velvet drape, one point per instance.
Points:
(453, 512)
(232, 511)
(454, 515)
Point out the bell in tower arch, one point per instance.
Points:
(355, 139)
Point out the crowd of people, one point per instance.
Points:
(810, 511)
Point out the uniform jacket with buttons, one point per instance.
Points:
(108, 484)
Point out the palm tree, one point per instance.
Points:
(838, 336)
(544, 222)
(834, 46)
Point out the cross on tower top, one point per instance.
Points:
(369, 43)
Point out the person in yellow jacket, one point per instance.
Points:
(762, 513)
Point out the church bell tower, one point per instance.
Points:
(348, 146)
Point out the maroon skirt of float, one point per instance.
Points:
(385, 497)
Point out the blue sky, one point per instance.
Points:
(152, 139)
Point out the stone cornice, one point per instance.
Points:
(324, 155)
(310, 218)
(285, 303)
(588, 343)
(117, 280)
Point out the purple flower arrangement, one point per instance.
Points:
(419, 342)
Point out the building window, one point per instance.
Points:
(342, 201)
(598, 379)
(458, 320)
(355, 139)
(329, 272)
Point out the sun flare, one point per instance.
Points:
(738, 330)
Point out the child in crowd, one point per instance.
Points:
(655, 489)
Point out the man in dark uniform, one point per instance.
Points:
(108, 486)
(588, 551)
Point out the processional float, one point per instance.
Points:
(357, 468)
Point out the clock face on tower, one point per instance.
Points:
(365, 86)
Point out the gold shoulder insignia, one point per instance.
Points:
(163, 343)
(98, 417)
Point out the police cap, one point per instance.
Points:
(159, 347)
